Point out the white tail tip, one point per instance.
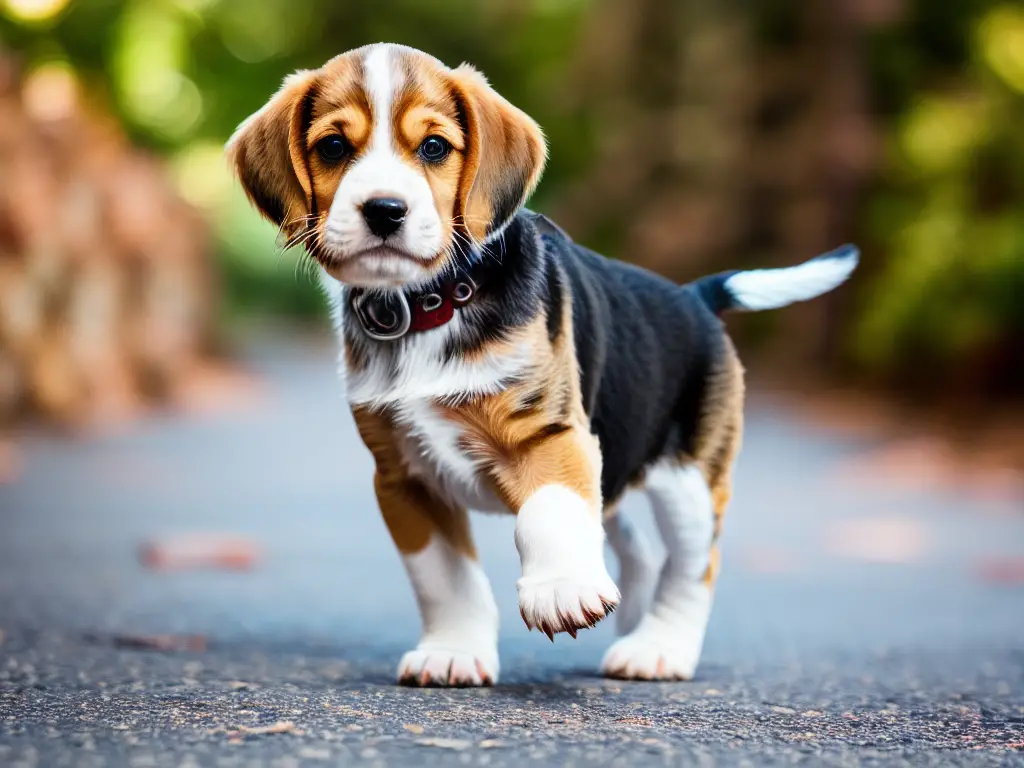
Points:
(759, 289)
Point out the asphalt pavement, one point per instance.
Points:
(862, 617)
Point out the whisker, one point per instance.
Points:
(291, 242)
(295, 220)
(300, 239)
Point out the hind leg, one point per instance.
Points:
(638, 570)
(666, 644)
(688, 497)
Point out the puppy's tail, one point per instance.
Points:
(757, 289)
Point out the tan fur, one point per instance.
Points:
(535, 432)
(412, 512)
(273, 152)
(261, 152)
(504, 144)
(718, 442)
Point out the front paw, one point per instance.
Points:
(556, 603)
(565, 585)
(447, 668)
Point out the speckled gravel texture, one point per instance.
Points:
(830, 644)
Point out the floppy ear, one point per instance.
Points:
(505, 155)
(268, 153)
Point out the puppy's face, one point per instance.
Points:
(386, 163)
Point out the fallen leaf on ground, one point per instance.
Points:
(199, 551)
(169, 643)
(281, 726)
(634, 720)
(417, 729)
(456, 744)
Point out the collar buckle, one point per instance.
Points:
(391, 315)
(383, 316)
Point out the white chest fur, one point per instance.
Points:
(418, 367)
(411, 383)
(432, 451)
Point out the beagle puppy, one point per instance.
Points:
(493, 364)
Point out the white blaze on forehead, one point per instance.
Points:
(380, 171)
(381, 85)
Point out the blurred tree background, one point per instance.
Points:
(686, 135)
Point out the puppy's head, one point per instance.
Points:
(386, 163)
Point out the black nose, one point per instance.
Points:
(384, 215)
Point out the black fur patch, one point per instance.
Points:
(553, 298)
(713, 292)
(511, 274)
(645, 347)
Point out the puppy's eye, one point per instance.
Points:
(333, 149)
(434, 149)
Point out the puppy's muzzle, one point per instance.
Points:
(384, 215)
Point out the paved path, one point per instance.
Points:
(858, 622)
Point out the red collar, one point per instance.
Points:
(387, 316)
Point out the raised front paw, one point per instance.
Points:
(556, 604)
(447, 668)
(565, 585)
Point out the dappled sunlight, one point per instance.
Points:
(1001, 39)
(33, 11)
(150, 55)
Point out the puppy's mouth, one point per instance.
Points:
(382, 251)
(381, 265)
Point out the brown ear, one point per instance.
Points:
(505, 155)
(268, 153)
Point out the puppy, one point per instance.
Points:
(493, 364)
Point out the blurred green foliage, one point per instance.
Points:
(947, 207)
(941, 217)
